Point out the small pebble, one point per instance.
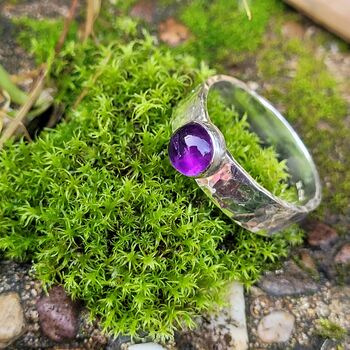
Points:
(276, 327)
(343, 255)
(58, 315)
(11, 319)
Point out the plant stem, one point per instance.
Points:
(16, 94)
(26, 106)
(247, 9)
(67, 23)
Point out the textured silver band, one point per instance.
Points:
(231, 188)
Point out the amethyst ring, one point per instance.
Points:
(197, 149)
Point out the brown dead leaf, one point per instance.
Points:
(293, 30)
(145, 10)
(172, 32)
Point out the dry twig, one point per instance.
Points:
(92, 12)
(67, 23)
(32, 97)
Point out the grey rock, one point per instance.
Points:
(12, 322)
(291, 281)
(58, 315)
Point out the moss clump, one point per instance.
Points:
(44, 36)
(330, 330)
(315, 107)
(222, 30)
(97, 207)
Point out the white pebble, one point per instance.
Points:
(276, 327)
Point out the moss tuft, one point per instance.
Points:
(222, 30)
(44, 36)
(330, 330)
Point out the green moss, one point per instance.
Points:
(221, 33)
(331, 330)
(44, 36)
(97, 207)
(222, 30)
(313, 104)
(272, 64)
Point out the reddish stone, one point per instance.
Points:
(145, 10)
(308, 261)
(343, 255)
(58, 315)
(321, 235)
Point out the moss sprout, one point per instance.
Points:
(221, 29)
(331, 330)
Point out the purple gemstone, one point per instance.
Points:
(191, 149)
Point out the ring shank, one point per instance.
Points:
(229, 185)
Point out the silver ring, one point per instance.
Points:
(197, 148)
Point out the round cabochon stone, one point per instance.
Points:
(191, 149)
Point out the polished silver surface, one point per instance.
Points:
(233, 190)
